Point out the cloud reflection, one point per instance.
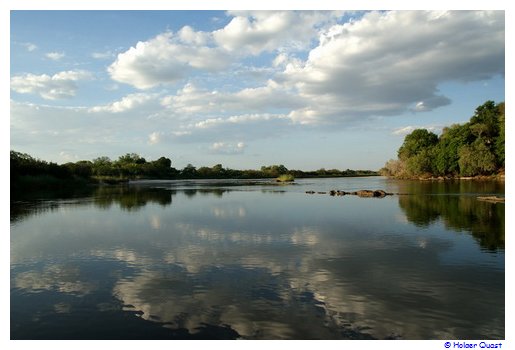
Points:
(61, 278)
(237, 262)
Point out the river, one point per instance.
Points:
(238, 260)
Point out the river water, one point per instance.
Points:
(239, 260)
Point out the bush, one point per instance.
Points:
(285, 178)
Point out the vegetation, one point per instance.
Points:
(285, 178)
(475, 148)
(28, 173)
(460, 213)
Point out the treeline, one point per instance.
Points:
(475, 148)
(271, 171)
(129, 166)
(26, 170)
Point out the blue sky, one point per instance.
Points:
(307, 89)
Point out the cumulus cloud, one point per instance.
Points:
(169, 57)
(58, 86)
(409, 129)
(232, 129)
(258, 31)
(192, 100)
(126, 103)
(55, 56)
(188, 35)
(431, 103)
(30, 46)
(237, 119)
(165, 59)
(227, 148)
(79, 131)
(154, 137)
(309, 70)
(384, 63)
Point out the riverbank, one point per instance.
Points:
(494, 177)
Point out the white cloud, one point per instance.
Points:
(102, 55)
(258, 31)
(384, 63)
(78, 131)
(409, 129)
(431, 103)
(280, 60)
(164, 59)
(68, 157)
(237, 127)
(192, 100)
(154, 138)
(55, 56)
(128, 102)
(188, 35)
(227, 148)
(170, 57)
(58, 86)
(404, 130)
(238, 119)
(30, 46)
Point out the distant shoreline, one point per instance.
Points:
(496, 177)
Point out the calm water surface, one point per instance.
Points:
(210, 260)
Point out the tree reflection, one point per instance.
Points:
(127, 197)
(485, 221)
(131, 198)
(217, 192)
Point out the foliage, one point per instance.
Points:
(476, 159)
(285, 178)
(26, 170)
(474, 148)
(418, 141)
(459, 213)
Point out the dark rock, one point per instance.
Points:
(379, 193)
(310, 192)
(365, 193)
(332, 192)
(369, 193)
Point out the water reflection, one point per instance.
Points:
(54, 277)
(255, 265)
(131, 197)
(448, 187)
(485, 221)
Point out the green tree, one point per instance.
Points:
(189, 171)
(274, 170)
(446, 154)
(417, 152)
(103, 166)
(415, 142)
(163, 163)
(476, 159)
(421, 163)
(474, 148)
(485, 122)
(83, 168)
(130, 158)
(499, 142)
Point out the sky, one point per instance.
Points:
(306, 89)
